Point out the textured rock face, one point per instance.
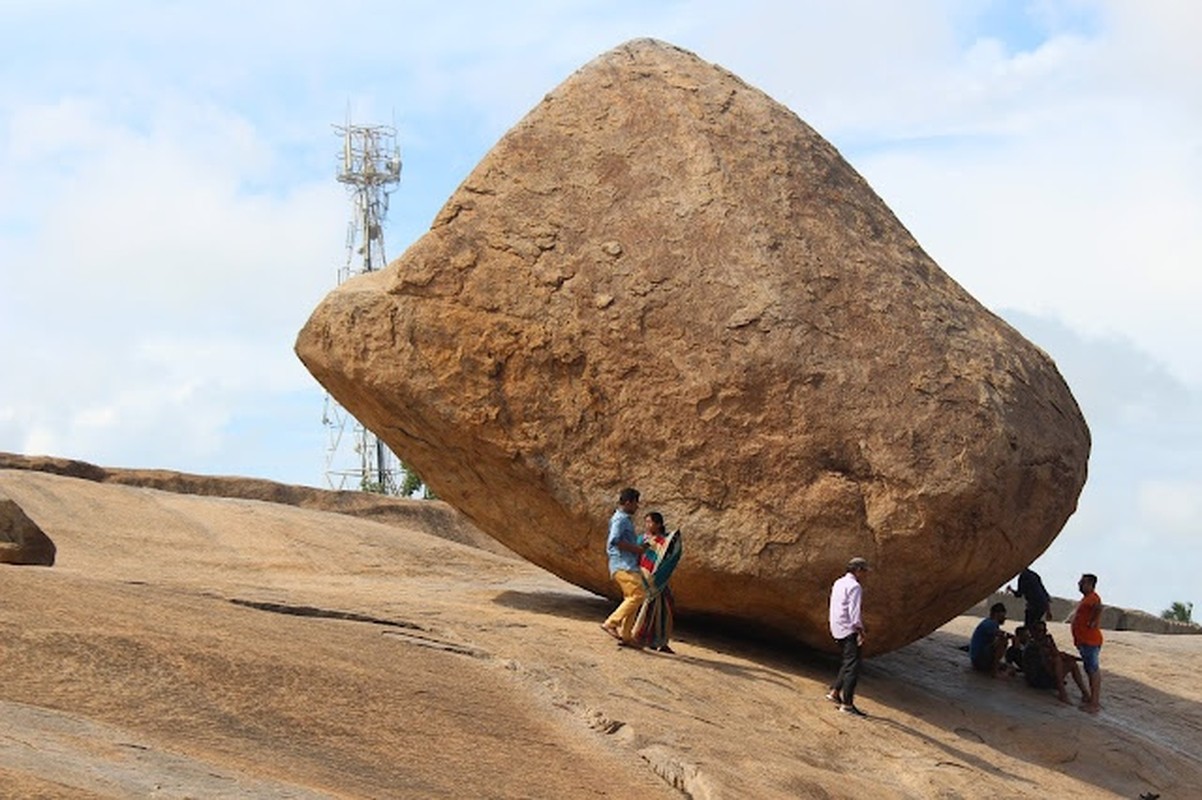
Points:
(663, 278)
(21, 540)
(431, 517)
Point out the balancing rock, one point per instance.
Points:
(662, 278)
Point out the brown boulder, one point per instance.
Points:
(661, 277)
(21, 540)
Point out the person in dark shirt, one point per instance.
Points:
(1039, 602)
(1014, 653)
(1045, 667)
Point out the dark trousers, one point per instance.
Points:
(849, 671)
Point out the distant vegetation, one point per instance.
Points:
(414, 486)
(1179, 612)
(411, 485)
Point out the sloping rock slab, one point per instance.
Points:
(429, 516)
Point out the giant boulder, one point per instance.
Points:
(662, 278)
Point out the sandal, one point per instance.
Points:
(611, 631)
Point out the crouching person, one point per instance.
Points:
(987, 648)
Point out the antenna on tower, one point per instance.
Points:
(370, 166)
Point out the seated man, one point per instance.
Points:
(1045, 667)
(1014, 653)
(988, 644)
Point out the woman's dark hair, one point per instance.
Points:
(656, 517)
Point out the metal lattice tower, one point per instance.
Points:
(370, 166)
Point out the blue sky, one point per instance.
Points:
(169, 215)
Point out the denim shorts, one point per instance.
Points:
(1089, 657)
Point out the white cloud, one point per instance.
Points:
(160, 271)
(1070, 195)
(173, 220)
(96, 418)
(1173, 508)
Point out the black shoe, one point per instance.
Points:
(851, 709)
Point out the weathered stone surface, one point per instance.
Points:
(429, 516)
(661, 277)
(146, 643)
(21, 540)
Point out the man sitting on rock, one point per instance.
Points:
(1014, 653)
(1045, 667)
(987, 647)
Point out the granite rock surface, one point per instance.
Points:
(663, 278)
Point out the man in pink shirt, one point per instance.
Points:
(847, 627)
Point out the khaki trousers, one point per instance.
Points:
(633, 594)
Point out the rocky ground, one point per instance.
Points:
(207, 647)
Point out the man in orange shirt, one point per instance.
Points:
(1087, 636)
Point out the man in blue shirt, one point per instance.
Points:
(987, 647)
(624, 550)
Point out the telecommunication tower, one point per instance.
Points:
(370, 166)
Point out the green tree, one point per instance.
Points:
(375, 487)
(412, 485)
(1179, 612)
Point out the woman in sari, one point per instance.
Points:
(653, 626)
